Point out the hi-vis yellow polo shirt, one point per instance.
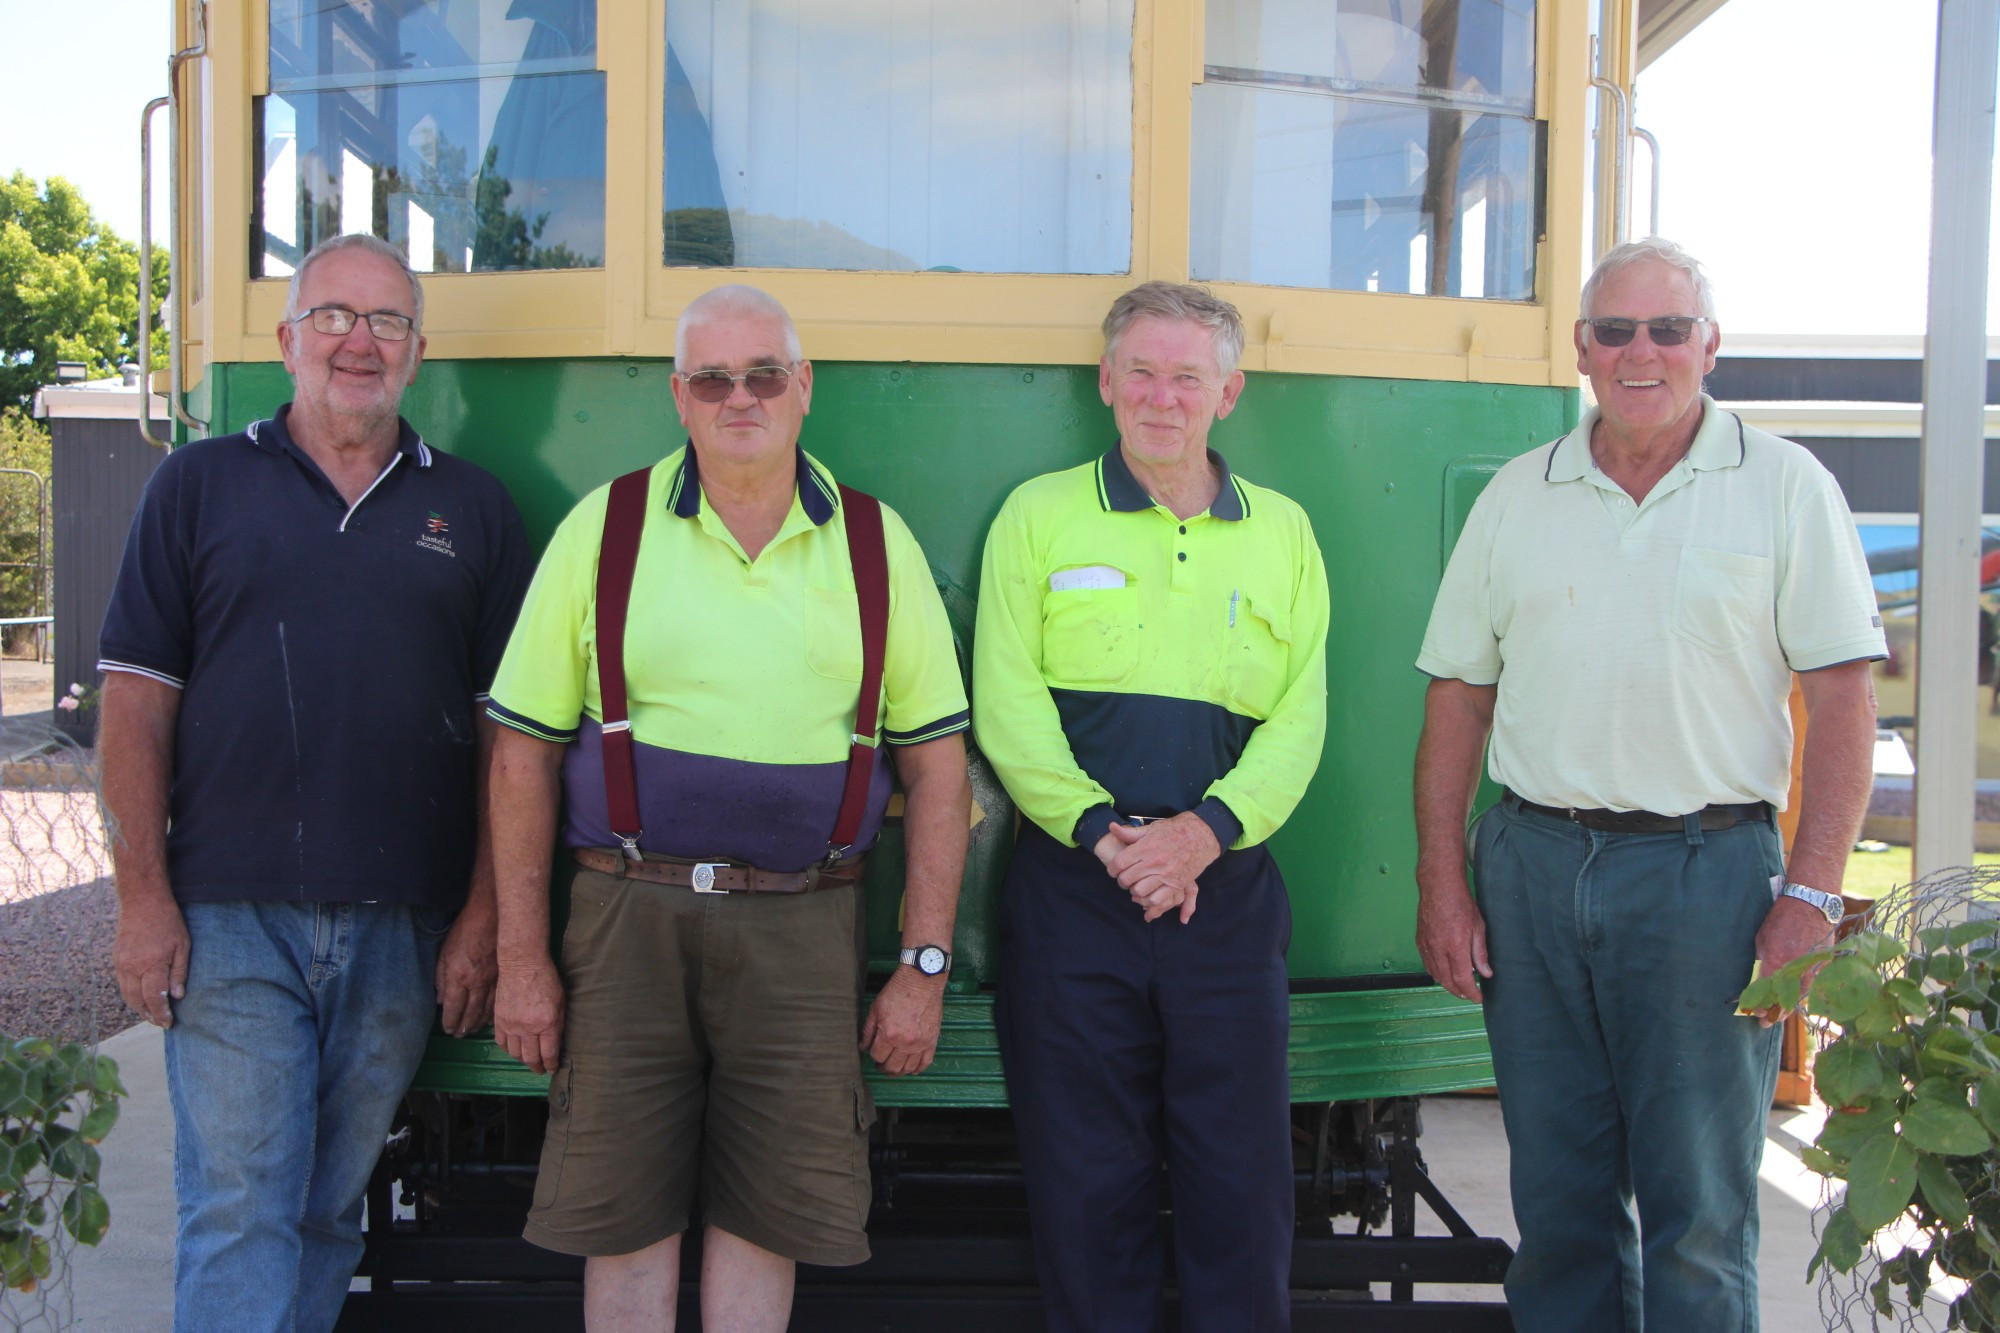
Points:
(741, 675)
(1129, 662)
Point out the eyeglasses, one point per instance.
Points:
(1665, 331)
(338, 321)
(712, 386)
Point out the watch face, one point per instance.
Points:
(930, 960)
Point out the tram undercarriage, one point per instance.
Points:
(948, 1228)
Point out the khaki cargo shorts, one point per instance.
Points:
(710, 1052)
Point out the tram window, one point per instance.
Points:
(1368, 145)
(468, 132)
(900, 134)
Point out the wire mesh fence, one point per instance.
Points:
(58, 1000)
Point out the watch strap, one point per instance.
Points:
(1829, 904)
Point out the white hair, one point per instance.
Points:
(356, 240)
(1658, 250)
(735, 299)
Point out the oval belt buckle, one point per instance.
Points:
(704, 877)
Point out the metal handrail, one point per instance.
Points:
(1620, 139)
(146, 273)
(177, 390)
(1653, 146)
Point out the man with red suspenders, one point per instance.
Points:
(696, 682)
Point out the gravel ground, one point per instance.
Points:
(57, 911)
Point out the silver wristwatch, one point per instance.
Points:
(1829, 904)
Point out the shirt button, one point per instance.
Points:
(1181, 556)
(1183, 529)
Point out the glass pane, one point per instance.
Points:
(1481, 49)
(900, 134)
(1301, 190)
(468, 132)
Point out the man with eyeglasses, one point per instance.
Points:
(700, 1024)
(1150, 684)
(1623, 614)
(308, 614)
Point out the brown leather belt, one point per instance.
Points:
(1714, 818)
(717, 876)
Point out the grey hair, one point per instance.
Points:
(739, 299)
(1179, 301)
(357, 240)
(1658, 250)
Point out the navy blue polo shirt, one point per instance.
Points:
(331, 661)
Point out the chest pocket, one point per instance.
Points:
(1722, 599)
(1090, 636)
(1257, 656)
(833, 634)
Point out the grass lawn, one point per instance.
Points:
(1872, 874)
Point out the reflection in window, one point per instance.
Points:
(900, 134)
(468, 132)
(1369, 145)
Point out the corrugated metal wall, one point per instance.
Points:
(99, 468)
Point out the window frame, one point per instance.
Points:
(628, 307)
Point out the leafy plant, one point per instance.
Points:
(56, 1105)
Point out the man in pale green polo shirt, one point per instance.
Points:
(1623, 614)
(703, 1042)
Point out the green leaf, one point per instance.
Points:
(1851, 1072)
(1761, 993)
(1843, 989)
(1942, 1192)
(1989, 1101)
(98, 1122)
(1840, 1244)
(1966, 932)
(1875, 948)
(1820, 1160)
(13, 1087)
(1879, 1020)
(1949, 1050)
(1907, 995)
(86, 1215)
(1946, 968)
(1848, 1132)
(1880, 1182)
(1938, 1127)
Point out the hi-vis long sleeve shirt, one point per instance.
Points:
(1131, 663)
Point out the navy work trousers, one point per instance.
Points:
(1625, 1074)
(1128, 1044)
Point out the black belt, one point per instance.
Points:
(1713, 818)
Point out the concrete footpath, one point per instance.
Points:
(126, 1284)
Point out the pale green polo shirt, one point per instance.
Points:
(741, 675)
(1643, 653)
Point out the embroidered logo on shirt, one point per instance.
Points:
(433, 538)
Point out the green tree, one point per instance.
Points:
(69, 288)
(24, 443)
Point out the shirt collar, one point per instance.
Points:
(274, 436)
(1717, 444)
(818, 495)
(1118, 491)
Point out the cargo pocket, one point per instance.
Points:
(555, 1143)
(1258, 656)
(1090, 636)
(1722, 598)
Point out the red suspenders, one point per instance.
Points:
(624, 520)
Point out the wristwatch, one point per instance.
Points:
(929, 959)
(1829, 904)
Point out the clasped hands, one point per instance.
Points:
(1158, 863)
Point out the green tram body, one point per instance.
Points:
(1387, 470)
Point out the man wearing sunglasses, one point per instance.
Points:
(307, 616)
(1623, 615)
(701, 1025)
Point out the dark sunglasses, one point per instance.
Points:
(1665, 331)
(338, 321)
(712, 386)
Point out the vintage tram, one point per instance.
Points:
(1400, 196)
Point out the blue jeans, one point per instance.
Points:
(302, 1026)
(1625, 1073)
